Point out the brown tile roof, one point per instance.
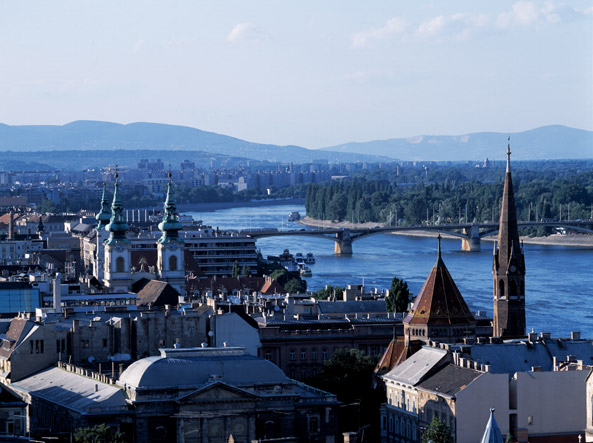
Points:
(439, 301)
(396, 353)
(18, 329)
(158, 293)
(271, 287)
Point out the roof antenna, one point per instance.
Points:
(509, 155)
(439, 239)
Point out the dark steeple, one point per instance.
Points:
(508, 267)
(104, 214)
(117, 226)
(170, 226)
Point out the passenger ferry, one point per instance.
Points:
(309, 259)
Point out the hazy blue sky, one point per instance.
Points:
(312, 73)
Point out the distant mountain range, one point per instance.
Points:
(547, 142)
(94, 135)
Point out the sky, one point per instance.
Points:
(309, 73)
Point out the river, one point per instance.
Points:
(558, 284)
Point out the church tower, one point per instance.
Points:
(170, 248)
(508, 268)
(439, 312)
(117, 275)
(103, 218)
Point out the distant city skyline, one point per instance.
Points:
(313, 74)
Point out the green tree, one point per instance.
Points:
(328, 292)
(296, 286)
(246, 271)
(399, 296)
(349, 375)
(438, 432)
(236, 269)
(99, 433)
(47, 206)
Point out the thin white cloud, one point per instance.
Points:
(534, 14)
(463, 26)
(138, 45)
(370, 37)
(245, 32)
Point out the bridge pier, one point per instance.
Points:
(343, 247)
(472, 243)
(343, 243)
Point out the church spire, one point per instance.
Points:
(170, 226)
(117, 225)
(508, 267)
(104, 214)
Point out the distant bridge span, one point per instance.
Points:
(470, 233)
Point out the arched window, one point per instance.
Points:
(120, 264)
(173, 263)
(513, 289)
(501, 288)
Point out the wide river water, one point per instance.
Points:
(558, 284)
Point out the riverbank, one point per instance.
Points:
(572, 240)
(214, 206)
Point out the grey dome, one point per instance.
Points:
(198, 369)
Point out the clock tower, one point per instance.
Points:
(508, 268)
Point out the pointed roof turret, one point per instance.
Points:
(170, 226)
(439, 302)
(508, 232)
(104, 215)
(117, 225)
(492, 432)
(40, 226)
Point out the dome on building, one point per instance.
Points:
(200, 366)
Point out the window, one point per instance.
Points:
(303, 355)
(324, 354)
(268, 355)
(303, 373)
(120, 264)
(292, 354)
(314, 354)
(501, 288)
(173, 263)
(104, 342)
(85, 343)
(314, 423)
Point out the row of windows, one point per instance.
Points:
(292, 355)
(404, 427)
(37, 346)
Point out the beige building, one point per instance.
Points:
(436, 382)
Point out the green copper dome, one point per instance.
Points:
(117, 225)
(104, 215)
(170, 226)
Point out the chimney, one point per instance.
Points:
(10, 225)
(57, 293)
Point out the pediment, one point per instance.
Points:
(217, 392)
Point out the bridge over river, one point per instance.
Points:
(470, 233)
